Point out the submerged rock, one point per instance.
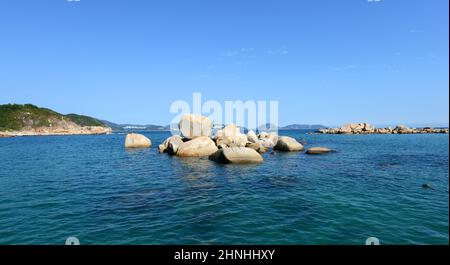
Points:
(318, 150)
(199, 146)
(135, 140)
(237, 155)
(288, 144)
(194, 125)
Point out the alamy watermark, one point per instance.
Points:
(253, 115)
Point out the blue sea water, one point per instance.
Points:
(91, 187)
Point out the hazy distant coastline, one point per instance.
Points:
(29, 120)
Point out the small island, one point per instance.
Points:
(28, 119)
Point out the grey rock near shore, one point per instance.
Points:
(365, 128)
(236, 155)
(135, 140)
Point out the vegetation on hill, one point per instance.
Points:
(13, 117)
(84, 120)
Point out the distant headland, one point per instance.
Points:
(28, 119)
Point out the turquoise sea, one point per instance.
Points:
(53, 187)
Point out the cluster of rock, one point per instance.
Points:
(228, 145)
(365, 128)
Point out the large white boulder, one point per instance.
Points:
(194, 125)
(238, 155)
(199, 146)
(171, 144)
(135, 140)
(288, 144)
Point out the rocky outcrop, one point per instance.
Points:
(229, 145)
(236, 155)
(252, 137)
(29, 120)
(194, 125)
(230, 136)
(267, 140)
(273, 137)
(318, 150)
(258, 147)
(135, 140)
(171, 144)
(263, 135)
(288, 144)
(63, 130)
(365, 128)
(197, 147)
(228, 141)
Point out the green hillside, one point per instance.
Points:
(13, 117)
(84, 120)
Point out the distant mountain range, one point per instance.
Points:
(271, 127)
(124, 127)
(303, 127)
(267, 127)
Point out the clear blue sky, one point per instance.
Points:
(325, 61)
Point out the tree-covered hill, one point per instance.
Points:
(15, 117)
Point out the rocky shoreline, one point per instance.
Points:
(47, 131)
(366, 128)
